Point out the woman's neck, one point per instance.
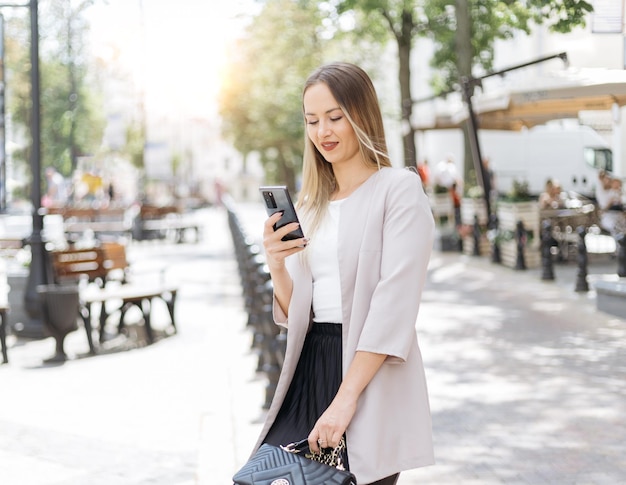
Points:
(350, 180)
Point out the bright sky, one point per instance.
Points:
(183, 47)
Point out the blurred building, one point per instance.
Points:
(159, 72)
(596, 55)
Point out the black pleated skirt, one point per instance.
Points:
(314, 386)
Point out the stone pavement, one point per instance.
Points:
(179, 412)
(526, 377)
(526, 381)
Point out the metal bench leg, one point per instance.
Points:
(171, 304)
(85, 313)
(3, 336)
(103, 320)
(124, 308)
(146, 308)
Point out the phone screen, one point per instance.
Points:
(276, 199)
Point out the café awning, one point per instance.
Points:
(558, 97)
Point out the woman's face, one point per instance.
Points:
(328, 128)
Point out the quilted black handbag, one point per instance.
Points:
(291, 465)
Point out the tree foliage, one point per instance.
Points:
(261, 97)
(491, 20)
(403, 21)
(71, 124)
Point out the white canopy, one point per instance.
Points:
(563, 95)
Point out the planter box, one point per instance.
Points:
(484, 247)
(511, 212)
(508, 255)
(471, 208)
(443, 209)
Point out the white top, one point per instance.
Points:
(324, 265)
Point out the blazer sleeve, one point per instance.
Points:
(407, 240)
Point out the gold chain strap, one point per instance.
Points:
(331, 457)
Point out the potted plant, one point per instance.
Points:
(441, 205)
(515, 206)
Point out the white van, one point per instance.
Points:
(571, 155)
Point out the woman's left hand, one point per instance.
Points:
(332, 424)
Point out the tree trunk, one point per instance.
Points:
(463, 40)
(73, 96)
(404, 40)
(287, 169)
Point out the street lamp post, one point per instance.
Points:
(39, 272)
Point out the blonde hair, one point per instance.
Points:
(354, 92)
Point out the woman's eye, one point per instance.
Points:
(336, 119)
(311, 122)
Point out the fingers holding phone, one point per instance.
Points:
(282, 235)
(277, 242)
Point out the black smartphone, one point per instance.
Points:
(276, 199)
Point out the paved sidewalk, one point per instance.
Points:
(526, 377)
(526, 381)
(179, 412)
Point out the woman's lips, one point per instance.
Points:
(329, 145)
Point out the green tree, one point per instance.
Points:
(403, 21)
(71, 124)
(135, 141)
(445, 22)
(466, 32)
(260, 101)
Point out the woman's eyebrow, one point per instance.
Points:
(326, 112)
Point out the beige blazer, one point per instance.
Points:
(385, 239)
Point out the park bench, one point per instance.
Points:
(106, 266)
(165, 222)
(173, 228)
(10, 246)
(105, 221)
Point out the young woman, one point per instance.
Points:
(349, 292)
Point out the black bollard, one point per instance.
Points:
(493, 237)
(581, 276)
(620, 239)
(520, 238)
(476, 236)
(546, 250)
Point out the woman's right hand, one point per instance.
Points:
(276, 250)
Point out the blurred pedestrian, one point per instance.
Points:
(349, 294)
(446, 173)
(551, 197)
(56, 190)
(456, 204)
(610, 203)
(424, 172)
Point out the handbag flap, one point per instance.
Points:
(272, 465)
(284, 475)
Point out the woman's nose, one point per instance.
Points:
(323, 129)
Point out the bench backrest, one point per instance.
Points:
(71, 264)
(115, 259)
(96, 263)
(157, 212)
